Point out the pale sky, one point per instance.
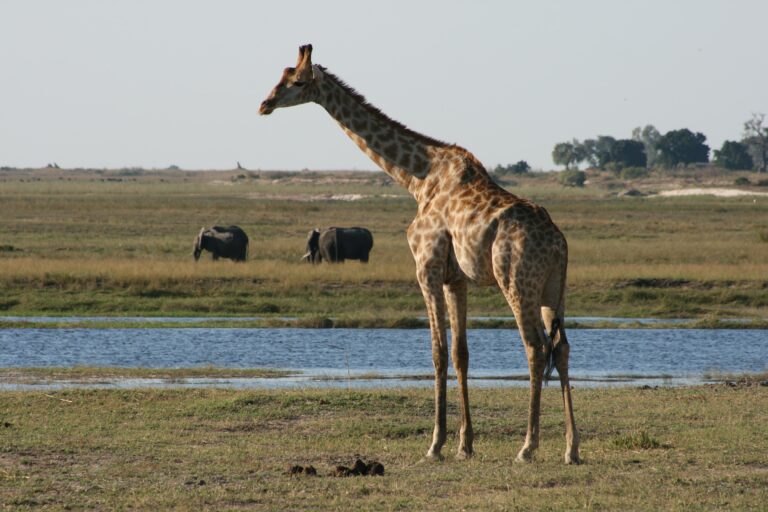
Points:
(178, 82)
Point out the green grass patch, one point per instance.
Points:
(87, 374)
(697, 448)
(640, 440)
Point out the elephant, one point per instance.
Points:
(338, 244)
(222, 242)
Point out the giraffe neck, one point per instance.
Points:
(400, 152)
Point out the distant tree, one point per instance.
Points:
(603, 149)
(628, 153)
(756, 139)
(733, 155)
(589, 149)
(568, 154)
(682, 147)
(598, 151)
(649, 136)
(606, 150)
(521, 167)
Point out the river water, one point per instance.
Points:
(385, 357)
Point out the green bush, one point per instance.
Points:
(741, 181)
(633, 173)
(573, 178)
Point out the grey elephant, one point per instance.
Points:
(338, 244)
(222, 242)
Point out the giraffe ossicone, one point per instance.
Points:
(467, 229)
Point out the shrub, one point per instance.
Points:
(741, 181)
(573, 178)
(634, 173)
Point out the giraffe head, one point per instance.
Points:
(295, 87)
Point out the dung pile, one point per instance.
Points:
(360, 468)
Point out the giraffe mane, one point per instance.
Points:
(400, 126)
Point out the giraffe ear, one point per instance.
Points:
(305, 57)
(304, 64)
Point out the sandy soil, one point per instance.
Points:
(718, 192)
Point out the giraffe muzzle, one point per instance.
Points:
(266, 108)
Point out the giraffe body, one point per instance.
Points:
(467, 229)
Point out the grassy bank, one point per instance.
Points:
(700, 448)
(118, 243)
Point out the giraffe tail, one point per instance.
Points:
(552, 342)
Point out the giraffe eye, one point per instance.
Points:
(299, 84)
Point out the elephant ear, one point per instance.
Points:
(199, 239)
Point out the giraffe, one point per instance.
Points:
(467, 229)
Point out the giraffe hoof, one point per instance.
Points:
(431, 457)
(525, 455)
(464, 454)
(572, 458)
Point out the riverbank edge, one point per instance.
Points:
(352, 323)
(83, 376)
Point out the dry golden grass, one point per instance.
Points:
(71, 234)
(582, 274)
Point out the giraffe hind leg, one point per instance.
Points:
(537, 351)
(557, 356)
(552, 313)
(561, 352)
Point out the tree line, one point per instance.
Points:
(649, 148)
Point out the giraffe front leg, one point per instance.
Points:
(456, 299)
(440, 360)
(435, 302)
(430, 250)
